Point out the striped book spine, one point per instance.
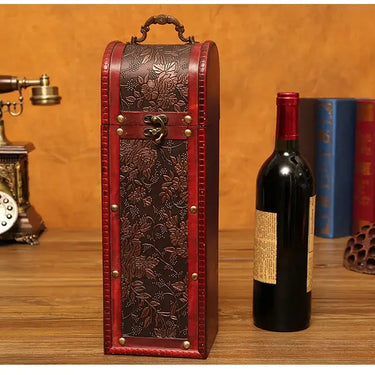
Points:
(364, 166)
(334, 166)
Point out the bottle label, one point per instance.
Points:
(310, 246)
(265, 247)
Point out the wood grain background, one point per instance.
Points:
(51, 307)
(318, 50)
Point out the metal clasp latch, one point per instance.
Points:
(159, 130)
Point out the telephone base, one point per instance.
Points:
(27, 229)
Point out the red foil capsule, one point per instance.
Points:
(287, 116)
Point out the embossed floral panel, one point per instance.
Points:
(154, 78)
(154, 244)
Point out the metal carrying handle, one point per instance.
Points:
(162, 19)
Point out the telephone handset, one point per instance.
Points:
(8, 210)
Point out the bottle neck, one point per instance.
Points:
(287, 146)
(287, 127)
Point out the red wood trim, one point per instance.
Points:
(107, 321)
(212, 108)
(114, 194)
(137, 118)
(137, 132)
(156, 352)
(193, 286)
(154, 342)
(105, 82)
(114, 82)
(202, 240)
(192, 241)
(107, 318)
(193, 83)
(202, 116)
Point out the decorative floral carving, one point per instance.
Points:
(154, 78)
(7, 176)
(154, 247)
(14, 180)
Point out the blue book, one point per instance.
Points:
(306, 125)
(334, 166)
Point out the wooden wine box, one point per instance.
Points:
(160, 168)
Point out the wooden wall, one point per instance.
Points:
(318, 50)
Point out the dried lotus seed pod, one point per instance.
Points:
(359, 254)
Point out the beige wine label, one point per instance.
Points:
(265, 247)
(310, 245)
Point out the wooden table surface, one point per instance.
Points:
(51, 307)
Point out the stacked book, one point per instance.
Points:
(337, 137)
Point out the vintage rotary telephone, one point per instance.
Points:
(18, 219)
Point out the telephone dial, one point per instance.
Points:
(19, 220)
(8, 211)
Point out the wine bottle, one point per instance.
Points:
(284, 229)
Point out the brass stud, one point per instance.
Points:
(114, 207)
(188, 119)
(122, 341)
(193, 209)
(115, 274)
(194, 276)
(121, 119)
(120, 131)
(186, 344)
(188, 132)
